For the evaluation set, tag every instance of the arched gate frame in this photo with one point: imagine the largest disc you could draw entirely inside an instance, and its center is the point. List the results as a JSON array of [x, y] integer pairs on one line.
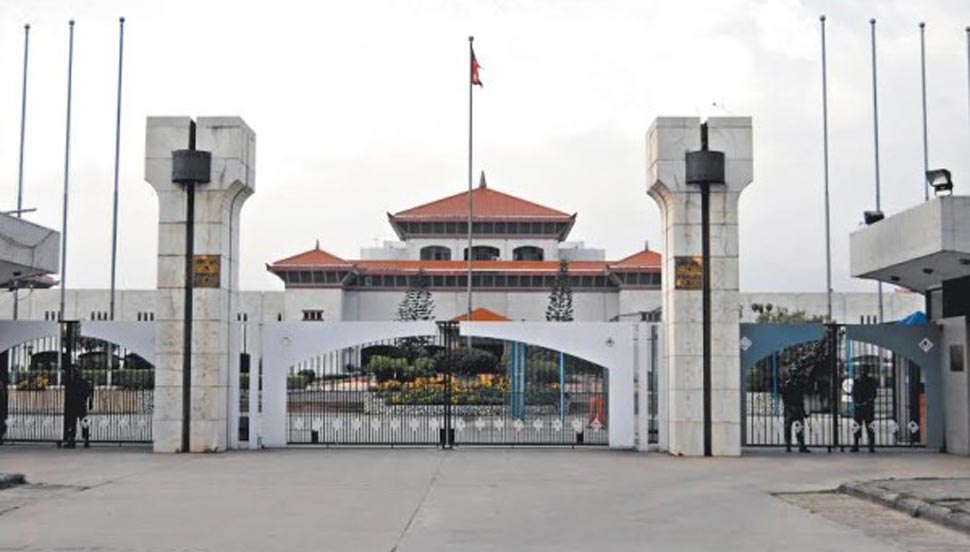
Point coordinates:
[[105, 392], [627, 351], [908, 374]]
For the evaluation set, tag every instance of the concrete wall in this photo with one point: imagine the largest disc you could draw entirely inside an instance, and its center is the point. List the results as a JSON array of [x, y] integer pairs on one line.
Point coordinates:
[[956, 388], [550, 248], [848, 308], [267, 306]]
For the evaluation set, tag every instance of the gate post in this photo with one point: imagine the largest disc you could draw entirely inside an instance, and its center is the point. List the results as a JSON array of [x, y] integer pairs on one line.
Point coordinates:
[[668, 142], [217, 208]]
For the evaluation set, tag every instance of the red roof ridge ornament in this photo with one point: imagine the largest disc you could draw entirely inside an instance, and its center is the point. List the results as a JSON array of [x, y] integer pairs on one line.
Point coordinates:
[[481, 181]]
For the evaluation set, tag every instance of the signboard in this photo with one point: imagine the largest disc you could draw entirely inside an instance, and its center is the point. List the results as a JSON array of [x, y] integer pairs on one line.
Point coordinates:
[[688, 272], [205, 271]]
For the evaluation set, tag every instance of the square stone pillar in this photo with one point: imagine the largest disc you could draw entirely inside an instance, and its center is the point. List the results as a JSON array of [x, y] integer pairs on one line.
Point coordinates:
[[668, 141], [217, 207]]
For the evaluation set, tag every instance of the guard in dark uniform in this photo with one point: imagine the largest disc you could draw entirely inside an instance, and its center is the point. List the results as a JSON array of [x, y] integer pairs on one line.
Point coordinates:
[[864, 390], [793, 391], [3, 407], [77, 396]]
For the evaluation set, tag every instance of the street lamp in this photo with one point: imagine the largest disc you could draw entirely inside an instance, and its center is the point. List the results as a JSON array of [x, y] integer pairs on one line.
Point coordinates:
[[190, 167], [705, 168], [940, 180]]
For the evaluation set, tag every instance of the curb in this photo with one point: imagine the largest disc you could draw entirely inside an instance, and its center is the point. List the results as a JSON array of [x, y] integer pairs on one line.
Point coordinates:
[[908, 504], [11, 480]]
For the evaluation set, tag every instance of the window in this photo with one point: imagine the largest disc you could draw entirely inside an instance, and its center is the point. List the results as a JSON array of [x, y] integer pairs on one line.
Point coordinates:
[[483, 253], [98, 315], [527, 253], [435, 253], [242, 317], [145, 316], [313, 315]]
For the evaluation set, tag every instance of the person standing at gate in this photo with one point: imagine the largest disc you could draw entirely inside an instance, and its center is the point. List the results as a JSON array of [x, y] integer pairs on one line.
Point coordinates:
[[864, 390], [793, 391], [77, 394], [3, 406]]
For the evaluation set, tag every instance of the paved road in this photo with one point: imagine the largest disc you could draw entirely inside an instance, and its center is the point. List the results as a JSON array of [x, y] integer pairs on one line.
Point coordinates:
[[424, 499]]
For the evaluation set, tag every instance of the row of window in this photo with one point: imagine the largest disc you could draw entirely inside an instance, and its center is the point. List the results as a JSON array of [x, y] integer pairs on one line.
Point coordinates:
[[650, 279], [482, 253], [484, 228], [639, 278]]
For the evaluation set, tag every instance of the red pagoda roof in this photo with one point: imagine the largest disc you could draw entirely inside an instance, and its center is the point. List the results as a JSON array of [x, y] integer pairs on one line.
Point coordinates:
[[641, 260], [482, 315], [486, 204], [316, 258]]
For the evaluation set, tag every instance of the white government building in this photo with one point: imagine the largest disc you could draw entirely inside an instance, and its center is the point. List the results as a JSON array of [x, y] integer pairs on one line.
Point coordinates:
[[517, 246]]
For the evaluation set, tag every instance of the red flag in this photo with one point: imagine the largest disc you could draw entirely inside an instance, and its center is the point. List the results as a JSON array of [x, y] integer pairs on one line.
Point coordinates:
[[475, 68]]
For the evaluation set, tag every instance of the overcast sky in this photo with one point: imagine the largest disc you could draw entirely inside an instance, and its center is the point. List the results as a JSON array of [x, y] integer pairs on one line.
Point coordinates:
[[360, 108]]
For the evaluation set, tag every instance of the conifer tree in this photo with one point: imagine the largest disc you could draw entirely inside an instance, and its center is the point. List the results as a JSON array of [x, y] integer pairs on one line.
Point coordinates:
[[417, 303], [560, 307]]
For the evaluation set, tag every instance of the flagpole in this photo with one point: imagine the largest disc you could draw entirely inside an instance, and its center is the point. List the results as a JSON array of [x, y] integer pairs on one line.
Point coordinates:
[[926, 147], [20, 165], [825, 163], [471, 55], [114, 213], [67, 172], [875, 127]]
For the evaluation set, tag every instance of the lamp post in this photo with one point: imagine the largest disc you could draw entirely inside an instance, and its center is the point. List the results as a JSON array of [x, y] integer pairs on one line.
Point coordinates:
[[704, 169], [190, 167]]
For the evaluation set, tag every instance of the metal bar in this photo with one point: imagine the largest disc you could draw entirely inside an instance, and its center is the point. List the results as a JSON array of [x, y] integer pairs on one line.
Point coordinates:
[[187, 323], [926, 147], [825, 169], [471, 57], [875, 130], [114, 211], [23, 119], [67, 171]]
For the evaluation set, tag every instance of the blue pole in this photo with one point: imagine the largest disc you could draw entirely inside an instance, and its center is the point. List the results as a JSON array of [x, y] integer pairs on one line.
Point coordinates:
[[512, 368], [562, 385], [774, 383], [851, 376]]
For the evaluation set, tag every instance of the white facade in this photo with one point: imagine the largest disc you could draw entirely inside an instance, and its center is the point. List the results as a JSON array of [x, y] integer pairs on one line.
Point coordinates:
[[370, 305]]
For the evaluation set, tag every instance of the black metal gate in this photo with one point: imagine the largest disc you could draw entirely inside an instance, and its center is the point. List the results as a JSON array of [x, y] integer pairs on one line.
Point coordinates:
[[445, 391], [97, 392], [833, 387]]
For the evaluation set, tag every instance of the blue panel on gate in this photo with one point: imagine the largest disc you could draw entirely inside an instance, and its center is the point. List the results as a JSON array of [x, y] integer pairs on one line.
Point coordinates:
[[760, 340]]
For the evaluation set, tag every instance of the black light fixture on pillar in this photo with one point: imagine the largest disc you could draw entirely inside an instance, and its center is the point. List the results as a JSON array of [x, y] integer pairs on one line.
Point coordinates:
[[190, 167], [940, 180], [704, 169]]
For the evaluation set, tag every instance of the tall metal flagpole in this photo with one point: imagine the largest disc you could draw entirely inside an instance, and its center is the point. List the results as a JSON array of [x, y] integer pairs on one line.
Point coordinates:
[[67, 172], [926, 147], [114, 219], [471, 55], [20, 165], [825, 170], [968, 69], [875, 129], [23, 118]]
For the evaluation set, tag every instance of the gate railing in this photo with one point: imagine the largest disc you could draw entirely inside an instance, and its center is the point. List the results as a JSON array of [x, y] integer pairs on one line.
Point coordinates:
[[840, 386], [59, 385], [416, 383]]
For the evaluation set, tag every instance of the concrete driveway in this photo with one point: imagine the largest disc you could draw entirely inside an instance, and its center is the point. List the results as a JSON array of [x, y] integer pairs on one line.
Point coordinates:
[[427, 499]]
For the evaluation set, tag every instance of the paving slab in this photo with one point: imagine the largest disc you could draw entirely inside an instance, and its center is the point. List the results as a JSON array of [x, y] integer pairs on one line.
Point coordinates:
[[944, 500], [426, 500]]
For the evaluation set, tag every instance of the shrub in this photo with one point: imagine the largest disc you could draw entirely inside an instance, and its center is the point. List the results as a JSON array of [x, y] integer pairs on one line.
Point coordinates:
[[310, 375], [296, 381], [388, 368]]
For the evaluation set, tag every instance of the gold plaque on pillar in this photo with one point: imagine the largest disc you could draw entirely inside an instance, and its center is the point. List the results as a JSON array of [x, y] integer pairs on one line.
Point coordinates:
[[206, 271], [688, 272]]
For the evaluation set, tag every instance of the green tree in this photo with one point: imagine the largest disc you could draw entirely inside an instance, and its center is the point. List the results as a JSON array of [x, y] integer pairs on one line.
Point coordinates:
[[768, 314], [417, 303], [560, 307]]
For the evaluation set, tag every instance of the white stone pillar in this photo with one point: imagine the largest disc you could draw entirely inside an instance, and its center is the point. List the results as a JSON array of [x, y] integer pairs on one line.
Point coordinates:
[[668, 141], [217, 207]]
